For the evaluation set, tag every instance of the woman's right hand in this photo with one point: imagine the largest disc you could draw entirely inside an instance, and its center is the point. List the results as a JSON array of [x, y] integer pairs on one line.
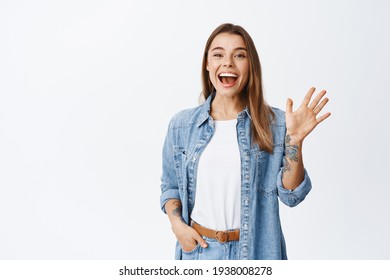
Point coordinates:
[[187, 236]]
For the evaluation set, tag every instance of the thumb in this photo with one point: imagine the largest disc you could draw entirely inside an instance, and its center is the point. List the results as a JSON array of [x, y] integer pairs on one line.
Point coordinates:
[[200, 240], [289, 105]]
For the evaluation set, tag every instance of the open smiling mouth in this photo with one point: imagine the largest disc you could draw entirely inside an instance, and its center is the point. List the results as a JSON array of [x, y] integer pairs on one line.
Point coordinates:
[[228, 79]]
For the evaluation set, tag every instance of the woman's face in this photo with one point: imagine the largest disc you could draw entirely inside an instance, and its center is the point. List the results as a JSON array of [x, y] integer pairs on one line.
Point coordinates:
[[228, 65]]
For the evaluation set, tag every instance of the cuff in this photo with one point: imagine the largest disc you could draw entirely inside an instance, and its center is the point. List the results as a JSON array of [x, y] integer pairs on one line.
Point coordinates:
[[293, 197], [167, 195]]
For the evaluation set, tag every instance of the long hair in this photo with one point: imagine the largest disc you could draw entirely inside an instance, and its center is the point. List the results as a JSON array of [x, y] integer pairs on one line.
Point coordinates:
[[252, 95]]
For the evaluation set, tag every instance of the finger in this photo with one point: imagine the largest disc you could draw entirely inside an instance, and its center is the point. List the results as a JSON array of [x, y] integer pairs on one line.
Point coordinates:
[[308, 96], [317, 99], [320, 106], [200, 240], [289, 105], [323, 117]]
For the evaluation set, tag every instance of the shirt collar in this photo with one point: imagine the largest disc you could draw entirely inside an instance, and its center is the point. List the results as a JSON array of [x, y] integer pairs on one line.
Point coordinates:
[[244, 113], [205, 112]]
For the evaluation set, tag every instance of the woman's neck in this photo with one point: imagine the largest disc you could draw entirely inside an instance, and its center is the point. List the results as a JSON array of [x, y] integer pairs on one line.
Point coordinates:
[[226, 108]]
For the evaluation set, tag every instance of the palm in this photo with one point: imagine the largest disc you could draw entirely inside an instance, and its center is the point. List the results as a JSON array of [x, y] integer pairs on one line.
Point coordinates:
[[301, 122]]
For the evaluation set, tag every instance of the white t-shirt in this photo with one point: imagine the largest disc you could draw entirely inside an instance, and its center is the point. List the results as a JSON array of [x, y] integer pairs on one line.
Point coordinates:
[[218, 188]]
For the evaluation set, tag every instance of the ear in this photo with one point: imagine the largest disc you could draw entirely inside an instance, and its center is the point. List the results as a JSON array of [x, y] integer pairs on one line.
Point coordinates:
[[207, 65]]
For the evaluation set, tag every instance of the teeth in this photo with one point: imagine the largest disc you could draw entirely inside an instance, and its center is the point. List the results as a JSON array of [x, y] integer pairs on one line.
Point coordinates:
[[228, 75]]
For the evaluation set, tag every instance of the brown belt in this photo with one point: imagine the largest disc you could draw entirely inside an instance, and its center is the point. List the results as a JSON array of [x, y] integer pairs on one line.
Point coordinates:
[[221, 236]]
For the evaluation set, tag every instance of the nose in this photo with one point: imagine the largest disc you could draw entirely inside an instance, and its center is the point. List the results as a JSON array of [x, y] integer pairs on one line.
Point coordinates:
[[228, 62]]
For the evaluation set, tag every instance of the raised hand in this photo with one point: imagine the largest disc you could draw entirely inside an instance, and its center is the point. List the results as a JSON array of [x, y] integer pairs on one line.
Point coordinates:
[[301, 122]]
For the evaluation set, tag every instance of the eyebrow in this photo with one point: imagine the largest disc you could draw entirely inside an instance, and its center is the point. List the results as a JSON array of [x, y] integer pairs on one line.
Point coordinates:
[[236, 49]]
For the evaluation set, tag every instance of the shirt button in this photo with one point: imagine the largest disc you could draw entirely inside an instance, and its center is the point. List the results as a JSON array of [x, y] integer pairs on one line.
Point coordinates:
[[245, 226], [246, 201]]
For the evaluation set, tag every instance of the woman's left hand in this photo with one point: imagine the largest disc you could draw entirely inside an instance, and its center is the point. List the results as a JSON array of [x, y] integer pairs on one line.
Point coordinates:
[[301, 122]]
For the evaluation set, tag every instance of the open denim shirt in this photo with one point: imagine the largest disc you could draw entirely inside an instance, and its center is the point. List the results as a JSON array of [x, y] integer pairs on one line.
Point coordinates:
[[261, 235]]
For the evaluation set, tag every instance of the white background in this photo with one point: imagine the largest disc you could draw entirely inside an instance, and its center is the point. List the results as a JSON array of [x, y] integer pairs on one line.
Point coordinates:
[[87, 89]]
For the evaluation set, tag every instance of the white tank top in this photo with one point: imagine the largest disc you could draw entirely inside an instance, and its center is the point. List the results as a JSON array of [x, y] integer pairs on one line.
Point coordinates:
[[218, 187]]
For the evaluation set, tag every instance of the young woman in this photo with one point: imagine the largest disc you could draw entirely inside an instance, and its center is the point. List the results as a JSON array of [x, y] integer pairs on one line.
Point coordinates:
[[226, 162]]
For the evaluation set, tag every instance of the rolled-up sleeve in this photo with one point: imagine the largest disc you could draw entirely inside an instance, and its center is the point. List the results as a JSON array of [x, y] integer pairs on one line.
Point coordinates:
[[293, 197], [169, 186]]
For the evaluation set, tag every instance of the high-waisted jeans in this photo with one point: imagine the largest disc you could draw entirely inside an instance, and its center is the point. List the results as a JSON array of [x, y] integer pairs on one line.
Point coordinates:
[[214, 251]]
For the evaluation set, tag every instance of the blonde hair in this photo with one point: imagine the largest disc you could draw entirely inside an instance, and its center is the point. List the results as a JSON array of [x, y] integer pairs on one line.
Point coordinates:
[[252, 95]]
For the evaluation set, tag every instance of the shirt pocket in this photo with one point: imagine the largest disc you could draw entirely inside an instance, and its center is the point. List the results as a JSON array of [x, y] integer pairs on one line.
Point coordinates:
[[267, 169]]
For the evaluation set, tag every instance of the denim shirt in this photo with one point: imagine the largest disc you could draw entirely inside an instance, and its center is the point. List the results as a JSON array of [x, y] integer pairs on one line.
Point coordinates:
[[189, 132]]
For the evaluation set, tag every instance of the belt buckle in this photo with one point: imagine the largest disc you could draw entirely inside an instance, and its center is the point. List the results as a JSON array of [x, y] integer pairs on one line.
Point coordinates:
[[222, 236]]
